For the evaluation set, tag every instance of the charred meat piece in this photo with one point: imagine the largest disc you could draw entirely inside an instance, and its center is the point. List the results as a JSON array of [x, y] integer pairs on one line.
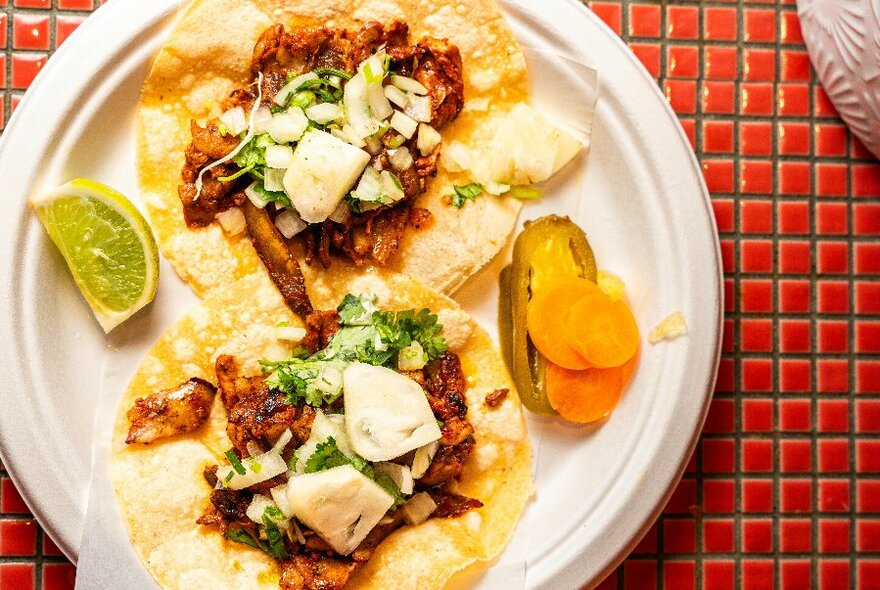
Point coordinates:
[[494, 399], [316, 571], [446, 386], [451, 505], [276, 256], [233, 386], [447, 463], [439, 70], [320, 328], [264, 416], [170, 412]]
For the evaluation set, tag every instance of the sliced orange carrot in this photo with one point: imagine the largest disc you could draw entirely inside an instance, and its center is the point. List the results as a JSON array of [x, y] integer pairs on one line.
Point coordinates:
[[588, 395], [547, 315], [602, 331]]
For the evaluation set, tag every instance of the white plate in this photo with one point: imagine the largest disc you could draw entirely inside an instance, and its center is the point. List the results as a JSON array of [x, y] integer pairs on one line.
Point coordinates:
[[642, 201]]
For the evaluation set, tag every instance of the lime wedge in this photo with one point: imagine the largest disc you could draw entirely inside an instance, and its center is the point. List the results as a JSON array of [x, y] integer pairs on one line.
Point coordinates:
[[107, 244]]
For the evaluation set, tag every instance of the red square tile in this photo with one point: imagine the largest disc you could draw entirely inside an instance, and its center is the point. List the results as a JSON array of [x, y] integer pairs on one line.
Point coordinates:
[[833, 376], [756, 217], [679, 574], [832, 219], [720, 418], [757, 574], [718, 456], [682, 22], [755, 138], [718, 175], [867, 258], [30, 31], [796, 456], [794, 139], [867, 573], [831, 180], [76, 4], [682, 61], [867, 337], [833, 336], [757, 456], [757, 495], [833, 415], [756, 177], [729, 299], [868, 535], [759, 65], [833, 257], [682, 95], [649, 55], [833, 455], [690, 129], [49, 547], [718, 496], [868, 416], [833, 297], [757, 415], [58, 576], [757, 536], [719, 97], [717, 536], [756, 295], [756, 256], [648, 543], [866, 180], [719, 24], [867, 376], [868, 456], [25, 67], [794, 99], [794, 574], [794, 257], [759, 26], [723, 214], [720, 63], [795, 66], [3, 20], [868, 298], [757, 335], [724, 382], [823, 106], [718, 136], [794, 415], [727, 259], [640, 573], [790, 29], [866, 219], [19, 576], [679, 535], [718, 575], [858, 151], [64, 26], [610, 13], [18, 538], [834, 495], [833, 574], [794, 336], [794, 296], [683, 498], [834, 536], [796, 495], [868, 494], [727, 336], [756, 98], [794, 217], [757, 375], [795, 535], [831, 140], [644, 20], [10, 500], [794, 376], [794, 178], [32, 3]]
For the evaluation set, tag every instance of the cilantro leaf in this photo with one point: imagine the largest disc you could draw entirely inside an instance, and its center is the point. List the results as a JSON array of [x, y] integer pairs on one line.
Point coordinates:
[[399, 329], [465, 193], [356, 311], [387, 484], [326, 456], [316, 380], [267, 195], [241, 536], [276, 547]]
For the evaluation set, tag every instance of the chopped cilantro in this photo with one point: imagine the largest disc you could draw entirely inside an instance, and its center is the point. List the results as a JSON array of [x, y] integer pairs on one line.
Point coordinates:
[[267, 195], [465, 193], [235, 462], [240, 536], [312, 379], [276, 540], [356, 311], [326, 456], [387, 484]]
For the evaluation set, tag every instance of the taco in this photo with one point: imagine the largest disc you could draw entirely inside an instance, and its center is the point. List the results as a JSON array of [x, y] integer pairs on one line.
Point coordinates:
[[384, 452], [350, 126]]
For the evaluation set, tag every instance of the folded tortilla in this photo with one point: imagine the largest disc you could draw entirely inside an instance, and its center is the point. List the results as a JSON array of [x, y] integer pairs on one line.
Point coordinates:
[[208, 54], [161, 491]]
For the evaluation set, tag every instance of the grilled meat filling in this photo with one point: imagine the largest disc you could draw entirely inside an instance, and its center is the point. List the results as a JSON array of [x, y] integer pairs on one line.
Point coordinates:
[[170, 412]]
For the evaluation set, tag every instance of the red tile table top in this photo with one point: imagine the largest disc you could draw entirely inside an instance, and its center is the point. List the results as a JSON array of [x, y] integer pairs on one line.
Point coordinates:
[[783, 489]]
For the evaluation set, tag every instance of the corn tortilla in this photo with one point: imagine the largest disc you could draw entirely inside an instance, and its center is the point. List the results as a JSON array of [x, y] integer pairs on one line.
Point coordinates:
[[208, 54], [161, 491]]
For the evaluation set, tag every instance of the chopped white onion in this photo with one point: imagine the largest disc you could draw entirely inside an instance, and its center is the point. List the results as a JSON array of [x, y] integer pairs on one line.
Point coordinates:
[[274, 179], [422, 459], [235, 121], [258, 506], [418, 508], [257, 469], [278, 156], [340, 134], [288, 126], [289, 223], [341, 213], [261, 121], [379, 105], [419, 108], [353, 138], [323, 113], [403, 124], [428, 140], [282, 441], [373, 68], [408, 84], [357, 109], [279, 495], [291, 333], [253, 449], [401, 159], [477, 104], [372, 145], [294, 532], [282, 96], [399, 474], [232, 221], [329, 381], [412, 357], [395, 95], [255, 197], [390, 186]]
